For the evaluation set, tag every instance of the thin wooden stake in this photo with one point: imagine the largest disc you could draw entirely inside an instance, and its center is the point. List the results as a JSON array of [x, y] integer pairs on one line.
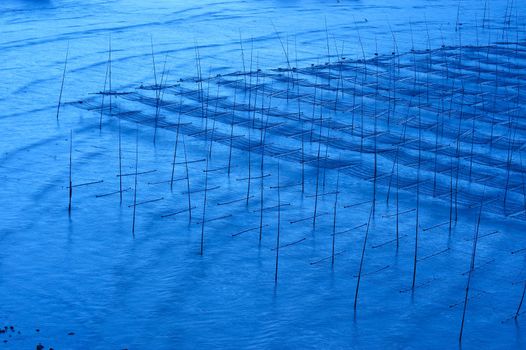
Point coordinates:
[[204, 200], [362, 259], [471, 268], [135, 187], [520, 303], [70, 166], [176, 143], [63, 78], [232, 129], [187, 182], [334, 218], [279, 224], [120, 163]]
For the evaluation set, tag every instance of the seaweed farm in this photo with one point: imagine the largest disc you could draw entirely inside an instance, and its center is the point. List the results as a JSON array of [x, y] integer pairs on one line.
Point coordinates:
[[350, 182]]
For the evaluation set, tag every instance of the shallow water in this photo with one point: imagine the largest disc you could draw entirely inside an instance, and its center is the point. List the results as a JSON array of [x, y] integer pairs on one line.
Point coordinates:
[[85, 273]]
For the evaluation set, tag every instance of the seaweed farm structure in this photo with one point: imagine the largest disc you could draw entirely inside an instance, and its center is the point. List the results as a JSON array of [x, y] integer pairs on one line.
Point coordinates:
[[366, 194]]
